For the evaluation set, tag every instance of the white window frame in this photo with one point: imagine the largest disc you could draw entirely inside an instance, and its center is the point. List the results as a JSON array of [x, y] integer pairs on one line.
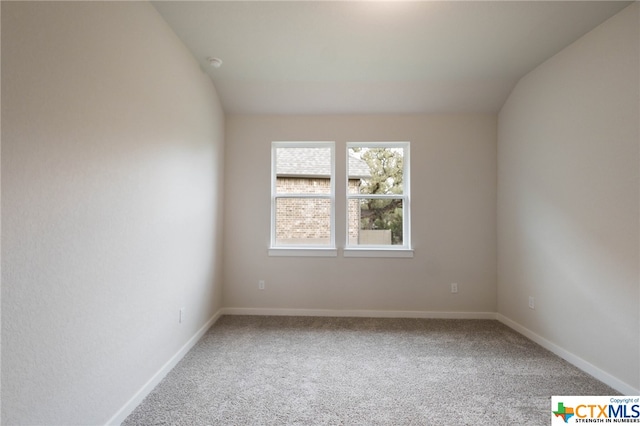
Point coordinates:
[[404, 250], [329, 250]]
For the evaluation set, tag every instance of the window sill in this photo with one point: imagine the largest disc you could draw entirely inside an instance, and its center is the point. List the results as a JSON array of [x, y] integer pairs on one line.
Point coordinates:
[[377, 252], [333, 252], [303, 252]]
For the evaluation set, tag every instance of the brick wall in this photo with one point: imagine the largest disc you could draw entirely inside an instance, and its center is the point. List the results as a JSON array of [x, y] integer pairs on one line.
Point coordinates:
[[308, 221]]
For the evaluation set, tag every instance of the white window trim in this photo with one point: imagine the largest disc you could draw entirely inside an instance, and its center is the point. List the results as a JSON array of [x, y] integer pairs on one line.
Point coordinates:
[[404, 250], [303, 250]]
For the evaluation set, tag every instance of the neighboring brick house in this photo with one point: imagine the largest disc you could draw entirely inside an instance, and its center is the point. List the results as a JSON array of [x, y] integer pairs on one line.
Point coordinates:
[[303, 171]]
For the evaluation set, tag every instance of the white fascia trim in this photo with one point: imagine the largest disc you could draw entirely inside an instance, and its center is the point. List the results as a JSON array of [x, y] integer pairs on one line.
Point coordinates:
[[303, 252], [603, 376], [377, 252], [146, 389], [358, 313]]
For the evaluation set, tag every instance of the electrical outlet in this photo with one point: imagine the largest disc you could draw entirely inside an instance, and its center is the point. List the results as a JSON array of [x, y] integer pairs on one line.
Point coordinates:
[[454, 287], [261, 285], [532, 304], [181, 318]]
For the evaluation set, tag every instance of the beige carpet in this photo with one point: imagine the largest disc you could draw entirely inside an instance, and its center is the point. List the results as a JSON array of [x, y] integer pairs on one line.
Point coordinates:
[[359, 371]]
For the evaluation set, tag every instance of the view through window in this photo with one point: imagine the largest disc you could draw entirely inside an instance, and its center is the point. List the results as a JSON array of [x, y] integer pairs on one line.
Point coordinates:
[[303, 195], [378, 205]]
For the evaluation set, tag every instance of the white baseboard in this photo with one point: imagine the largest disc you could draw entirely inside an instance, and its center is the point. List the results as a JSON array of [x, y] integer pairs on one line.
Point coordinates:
[[583, 365], [358, 313], [136, 399]]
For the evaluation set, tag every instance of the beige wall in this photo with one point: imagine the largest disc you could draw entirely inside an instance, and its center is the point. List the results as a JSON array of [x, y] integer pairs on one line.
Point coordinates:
[[453, 177], [568, 199], [112, 149]]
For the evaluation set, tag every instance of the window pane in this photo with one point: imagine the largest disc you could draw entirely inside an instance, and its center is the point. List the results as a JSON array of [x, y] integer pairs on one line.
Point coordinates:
[[379, 169], [303, 221], [303, 170], [375, 221]]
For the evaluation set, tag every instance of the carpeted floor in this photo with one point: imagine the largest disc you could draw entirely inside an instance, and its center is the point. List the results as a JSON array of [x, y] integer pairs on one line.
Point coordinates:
[[360, 371]]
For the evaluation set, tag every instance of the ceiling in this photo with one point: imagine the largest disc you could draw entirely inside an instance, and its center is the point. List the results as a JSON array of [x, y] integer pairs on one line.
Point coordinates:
[[369, 57]]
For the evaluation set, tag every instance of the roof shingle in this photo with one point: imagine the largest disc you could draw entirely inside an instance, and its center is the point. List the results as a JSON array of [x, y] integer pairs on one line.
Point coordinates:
[[314, 162]]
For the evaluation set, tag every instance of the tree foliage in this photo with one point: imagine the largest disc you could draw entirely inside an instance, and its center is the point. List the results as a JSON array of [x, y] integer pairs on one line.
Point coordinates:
[[386, 166]]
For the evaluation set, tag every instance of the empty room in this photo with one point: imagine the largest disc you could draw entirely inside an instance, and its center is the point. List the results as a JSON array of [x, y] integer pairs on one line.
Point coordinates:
[[320, 212]]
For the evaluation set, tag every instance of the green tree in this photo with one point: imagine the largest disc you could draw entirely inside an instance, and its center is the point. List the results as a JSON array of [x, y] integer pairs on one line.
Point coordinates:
[[386, 166]]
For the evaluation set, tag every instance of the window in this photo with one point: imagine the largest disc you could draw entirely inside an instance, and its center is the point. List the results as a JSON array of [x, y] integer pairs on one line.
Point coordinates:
[[303, 207], [302, 197], [378, 195]]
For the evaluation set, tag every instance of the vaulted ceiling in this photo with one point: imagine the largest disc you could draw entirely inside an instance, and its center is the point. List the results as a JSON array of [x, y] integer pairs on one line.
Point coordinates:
[[367, 57]]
